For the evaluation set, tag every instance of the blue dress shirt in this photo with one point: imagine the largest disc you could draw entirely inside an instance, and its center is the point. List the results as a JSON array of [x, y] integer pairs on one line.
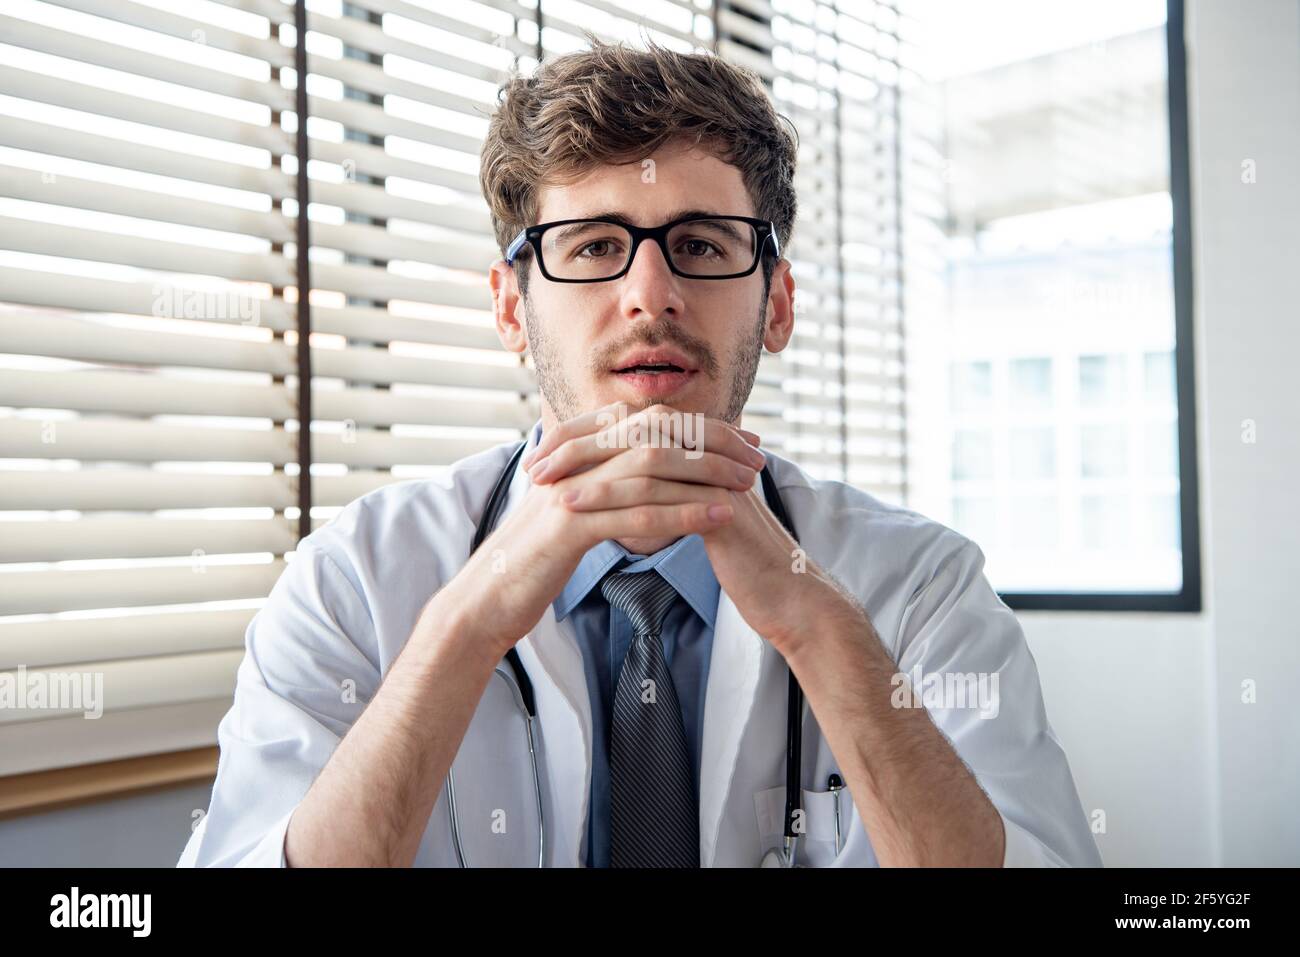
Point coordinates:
[[604, 635]]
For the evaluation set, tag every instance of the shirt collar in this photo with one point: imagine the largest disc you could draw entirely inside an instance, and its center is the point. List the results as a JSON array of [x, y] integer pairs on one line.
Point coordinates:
[[684, 564]]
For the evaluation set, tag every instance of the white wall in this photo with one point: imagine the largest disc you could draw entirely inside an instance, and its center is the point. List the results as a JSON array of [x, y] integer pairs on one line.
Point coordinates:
[[143, 830], [1149, 707], [1247, 100], [1127, 695]]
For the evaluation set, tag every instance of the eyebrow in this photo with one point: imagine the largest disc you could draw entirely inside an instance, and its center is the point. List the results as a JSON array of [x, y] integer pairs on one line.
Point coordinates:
[[621, 217]]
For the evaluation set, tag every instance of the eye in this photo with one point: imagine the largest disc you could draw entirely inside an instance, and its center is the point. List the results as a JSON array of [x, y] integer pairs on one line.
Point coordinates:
[[596, 249], [698, 247]]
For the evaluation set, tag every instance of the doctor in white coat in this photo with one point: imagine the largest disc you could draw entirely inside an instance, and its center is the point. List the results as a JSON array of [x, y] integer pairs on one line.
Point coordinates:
[[371, 672]]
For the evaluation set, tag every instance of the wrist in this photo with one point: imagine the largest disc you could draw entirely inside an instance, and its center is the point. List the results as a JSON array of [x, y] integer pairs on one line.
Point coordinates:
[[822, 614], [448, 627]]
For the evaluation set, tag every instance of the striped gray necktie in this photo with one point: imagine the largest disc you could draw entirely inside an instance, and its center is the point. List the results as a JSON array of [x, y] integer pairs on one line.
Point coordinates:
[[654, 814]]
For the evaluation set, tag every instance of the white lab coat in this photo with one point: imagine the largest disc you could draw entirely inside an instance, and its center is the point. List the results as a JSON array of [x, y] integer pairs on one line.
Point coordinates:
[[344, 607]]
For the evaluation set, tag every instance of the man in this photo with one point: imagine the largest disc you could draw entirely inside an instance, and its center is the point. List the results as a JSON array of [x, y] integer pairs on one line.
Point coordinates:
[[658, 604]]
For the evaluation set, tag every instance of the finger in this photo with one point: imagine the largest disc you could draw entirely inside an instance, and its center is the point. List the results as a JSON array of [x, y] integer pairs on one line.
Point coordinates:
[[654, 521], [583, 424], [589, 450], [596, 496], [563, 431], [680, 465], [575, 456], [661, 423], [590, 422]]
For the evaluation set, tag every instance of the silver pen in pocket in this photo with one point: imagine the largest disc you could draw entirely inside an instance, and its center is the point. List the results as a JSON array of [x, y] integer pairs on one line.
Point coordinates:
[[835, 785]]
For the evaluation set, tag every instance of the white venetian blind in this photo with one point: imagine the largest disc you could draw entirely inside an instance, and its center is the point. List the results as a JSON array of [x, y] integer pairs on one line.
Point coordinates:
[[148, 457], [148, 292], [834, 69], [409, 376]]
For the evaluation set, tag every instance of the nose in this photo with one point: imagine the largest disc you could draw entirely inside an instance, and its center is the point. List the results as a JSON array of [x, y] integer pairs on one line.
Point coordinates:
[[649, 289]]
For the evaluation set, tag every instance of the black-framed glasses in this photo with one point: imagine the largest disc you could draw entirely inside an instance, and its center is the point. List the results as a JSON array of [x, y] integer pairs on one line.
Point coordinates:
[[695, 247]]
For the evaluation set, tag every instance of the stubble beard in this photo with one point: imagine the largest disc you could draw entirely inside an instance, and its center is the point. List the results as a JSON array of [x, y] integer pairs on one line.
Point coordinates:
[[566, 404]]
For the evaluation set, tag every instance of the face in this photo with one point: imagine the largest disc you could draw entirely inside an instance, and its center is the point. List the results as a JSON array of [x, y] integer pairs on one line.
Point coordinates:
[[581, 335]]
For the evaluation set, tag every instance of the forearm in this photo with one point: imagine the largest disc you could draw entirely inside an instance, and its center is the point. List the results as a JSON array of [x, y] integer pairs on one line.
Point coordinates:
[[920, 804], [371, 803]]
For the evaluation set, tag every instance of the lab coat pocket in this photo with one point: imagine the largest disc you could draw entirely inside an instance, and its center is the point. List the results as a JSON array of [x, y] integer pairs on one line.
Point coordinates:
[[817, 844]]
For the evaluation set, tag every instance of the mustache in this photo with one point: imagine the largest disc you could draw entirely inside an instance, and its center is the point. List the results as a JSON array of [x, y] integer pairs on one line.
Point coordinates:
[[696, 349]]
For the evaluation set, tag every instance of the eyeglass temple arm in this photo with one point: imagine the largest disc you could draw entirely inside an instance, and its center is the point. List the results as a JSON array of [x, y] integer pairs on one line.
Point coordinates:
[[516, 246]]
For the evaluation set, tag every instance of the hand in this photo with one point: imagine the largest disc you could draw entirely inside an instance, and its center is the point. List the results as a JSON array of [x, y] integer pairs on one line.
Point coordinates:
[[658, 433], [617, 491], [777, 589]]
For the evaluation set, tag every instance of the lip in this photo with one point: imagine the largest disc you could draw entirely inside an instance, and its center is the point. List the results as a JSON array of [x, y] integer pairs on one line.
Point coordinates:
[[655, 385], [654, 357]]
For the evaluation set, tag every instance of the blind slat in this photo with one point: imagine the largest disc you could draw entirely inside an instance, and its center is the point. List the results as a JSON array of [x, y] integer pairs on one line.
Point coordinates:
[[64, 742], [56, 541], [114, 489], [134, 14], [52, 239], [87, 391], [127, 440], [29, 287], [122, 154], [26, 184], [61, 641], [69, 94], [80, 339], [30, 593], [97, 52], [121, 489]]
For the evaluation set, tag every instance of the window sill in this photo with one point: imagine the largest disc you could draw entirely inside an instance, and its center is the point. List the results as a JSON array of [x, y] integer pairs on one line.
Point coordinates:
[[41, 791]]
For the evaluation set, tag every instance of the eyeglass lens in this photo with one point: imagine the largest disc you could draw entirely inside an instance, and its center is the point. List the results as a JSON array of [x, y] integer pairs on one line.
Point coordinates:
[[701, 247]]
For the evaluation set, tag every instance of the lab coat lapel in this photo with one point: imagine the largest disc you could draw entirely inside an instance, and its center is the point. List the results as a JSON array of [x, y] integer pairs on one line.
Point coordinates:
[[551, 655], [735, 666], [553, 660]]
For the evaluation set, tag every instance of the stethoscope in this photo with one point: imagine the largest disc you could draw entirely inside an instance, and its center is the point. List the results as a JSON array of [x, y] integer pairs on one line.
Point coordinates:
[[522, 690]]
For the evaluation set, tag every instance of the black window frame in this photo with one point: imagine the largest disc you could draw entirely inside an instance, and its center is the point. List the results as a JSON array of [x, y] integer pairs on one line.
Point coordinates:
[[1189, 597]]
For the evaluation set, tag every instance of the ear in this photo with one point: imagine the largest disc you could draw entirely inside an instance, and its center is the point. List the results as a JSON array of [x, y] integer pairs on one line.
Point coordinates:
[[507, 307], [780, 308]]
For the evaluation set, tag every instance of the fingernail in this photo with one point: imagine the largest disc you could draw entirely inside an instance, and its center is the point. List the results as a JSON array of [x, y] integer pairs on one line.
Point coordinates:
[[745, 474], [570, 496], [719, 513], [539, 468], [758, 458]]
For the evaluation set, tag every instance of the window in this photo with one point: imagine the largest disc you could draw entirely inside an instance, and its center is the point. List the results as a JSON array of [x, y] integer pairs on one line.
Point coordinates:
[[1049, 294]]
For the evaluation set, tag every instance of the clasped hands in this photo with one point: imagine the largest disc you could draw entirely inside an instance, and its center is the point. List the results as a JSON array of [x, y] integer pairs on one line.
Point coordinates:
[[648, 459]]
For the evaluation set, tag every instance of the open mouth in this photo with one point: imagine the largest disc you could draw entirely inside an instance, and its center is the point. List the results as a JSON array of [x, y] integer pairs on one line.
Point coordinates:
[[657, 368], [655, 380]]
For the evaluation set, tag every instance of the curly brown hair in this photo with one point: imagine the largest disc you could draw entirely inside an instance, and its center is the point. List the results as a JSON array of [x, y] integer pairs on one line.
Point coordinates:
[[611, 104]]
